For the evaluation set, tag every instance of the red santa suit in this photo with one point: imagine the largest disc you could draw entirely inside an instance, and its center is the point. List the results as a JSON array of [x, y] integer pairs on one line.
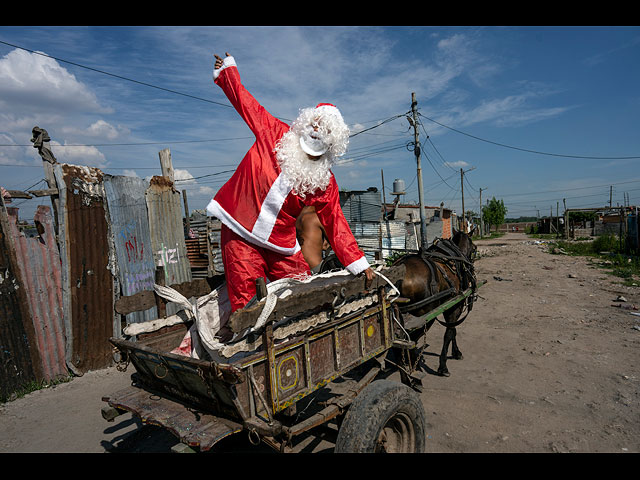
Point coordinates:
[[259, 210]]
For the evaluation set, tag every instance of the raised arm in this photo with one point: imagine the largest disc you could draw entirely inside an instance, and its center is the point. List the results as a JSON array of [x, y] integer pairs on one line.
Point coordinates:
[[261, 122]]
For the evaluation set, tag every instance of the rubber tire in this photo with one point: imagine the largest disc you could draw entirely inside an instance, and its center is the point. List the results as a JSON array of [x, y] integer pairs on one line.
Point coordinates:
[[373, 409]]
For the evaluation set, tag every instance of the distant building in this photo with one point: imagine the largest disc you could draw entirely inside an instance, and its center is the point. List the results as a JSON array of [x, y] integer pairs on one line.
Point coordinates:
[[439, 220]]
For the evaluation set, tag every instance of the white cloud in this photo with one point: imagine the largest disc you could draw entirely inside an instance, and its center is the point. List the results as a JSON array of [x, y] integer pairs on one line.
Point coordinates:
[[99, 129], [79, 155], [457, 164], [103, 129], [31, 82], [184, 176]]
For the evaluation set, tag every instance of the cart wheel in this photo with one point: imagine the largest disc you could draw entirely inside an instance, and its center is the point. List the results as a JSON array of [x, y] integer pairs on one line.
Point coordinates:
[[386, 417]]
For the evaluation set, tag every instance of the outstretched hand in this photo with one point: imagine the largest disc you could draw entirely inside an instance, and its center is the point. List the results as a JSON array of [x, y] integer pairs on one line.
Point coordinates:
[[219, 60]]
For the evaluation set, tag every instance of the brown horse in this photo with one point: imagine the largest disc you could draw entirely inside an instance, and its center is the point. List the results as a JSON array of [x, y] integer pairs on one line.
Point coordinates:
[[434, 276]]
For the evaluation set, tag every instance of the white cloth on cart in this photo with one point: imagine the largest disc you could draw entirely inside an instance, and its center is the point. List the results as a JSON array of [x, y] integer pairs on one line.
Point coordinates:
[[212, 312]]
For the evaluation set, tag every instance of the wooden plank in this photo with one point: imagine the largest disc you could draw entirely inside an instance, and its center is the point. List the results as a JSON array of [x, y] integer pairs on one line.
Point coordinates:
[[147, 299], [195, 429], [314, 300], [18, 194], [134, 303], [44, 193]]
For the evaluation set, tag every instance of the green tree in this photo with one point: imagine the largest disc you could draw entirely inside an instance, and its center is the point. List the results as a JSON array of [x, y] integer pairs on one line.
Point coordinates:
[[494, 213]]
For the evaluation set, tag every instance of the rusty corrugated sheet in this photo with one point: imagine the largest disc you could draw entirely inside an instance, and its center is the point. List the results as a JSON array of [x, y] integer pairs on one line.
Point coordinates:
[[135, 267], [167, 230], [18, 356], [39, 262], [87, 281]]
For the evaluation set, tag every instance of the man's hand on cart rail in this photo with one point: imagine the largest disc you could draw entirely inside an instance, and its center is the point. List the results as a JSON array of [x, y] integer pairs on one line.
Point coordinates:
[[370, 276]]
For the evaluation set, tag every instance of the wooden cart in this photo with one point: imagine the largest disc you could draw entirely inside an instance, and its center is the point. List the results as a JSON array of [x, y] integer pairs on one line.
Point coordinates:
[[345, 361]]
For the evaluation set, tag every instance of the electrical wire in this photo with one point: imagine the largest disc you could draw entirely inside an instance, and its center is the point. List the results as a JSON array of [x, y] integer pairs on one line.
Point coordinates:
[[203, 176], [116, 76], [527, 150]]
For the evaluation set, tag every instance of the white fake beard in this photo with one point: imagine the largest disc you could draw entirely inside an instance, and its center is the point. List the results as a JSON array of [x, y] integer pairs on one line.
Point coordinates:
[[305, 175]]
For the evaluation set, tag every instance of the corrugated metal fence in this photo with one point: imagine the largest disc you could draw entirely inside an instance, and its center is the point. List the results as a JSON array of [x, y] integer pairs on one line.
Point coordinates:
[[57, 297], [131, 239], [39, 264], [19, 355]]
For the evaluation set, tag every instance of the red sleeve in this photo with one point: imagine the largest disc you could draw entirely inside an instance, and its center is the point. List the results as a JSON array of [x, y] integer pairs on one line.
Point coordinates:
[[337, 228], [262, 123]]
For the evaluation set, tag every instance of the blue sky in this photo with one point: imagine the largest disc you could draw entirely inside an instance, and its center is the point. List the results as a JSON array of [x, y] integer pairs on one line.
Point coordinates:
[[533, 115]]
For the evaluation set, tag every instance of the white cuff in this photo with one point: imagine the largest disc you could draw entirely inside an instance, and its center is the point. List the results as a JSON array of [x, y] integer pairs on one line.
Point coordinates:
[[227, 62], [358, 266]]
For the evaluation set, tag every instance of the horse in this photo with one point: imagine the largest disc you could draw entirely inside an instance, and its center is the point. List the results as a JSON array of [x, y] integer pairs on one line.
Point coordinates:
[[435, 275]]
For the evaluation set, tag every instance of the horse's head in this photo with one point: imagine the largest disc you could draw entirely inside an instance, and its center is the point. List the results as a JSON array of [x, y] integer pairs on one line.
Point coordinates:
[[465, 244]]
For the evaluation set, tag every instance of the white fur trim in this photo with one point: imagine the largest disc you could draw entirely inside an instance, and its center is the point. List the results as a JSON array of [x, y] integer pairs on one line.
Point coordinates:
[[226, 63], [358, 266], [270, 208], [214, 209], [328, 109]]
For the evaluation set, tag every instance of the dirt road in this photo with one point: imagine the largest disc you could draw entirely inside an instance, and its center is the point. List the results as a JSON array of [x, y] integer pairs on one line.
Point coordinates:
[[550, 365]]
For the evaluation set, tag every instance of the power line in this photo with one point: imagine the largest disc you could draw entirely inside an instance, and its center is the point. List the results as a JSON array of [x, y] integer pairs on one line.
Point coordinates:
[[118, 76], [161, 88], [129, 144], [529, 151], [203, 176], [379, 124], [568, 189]]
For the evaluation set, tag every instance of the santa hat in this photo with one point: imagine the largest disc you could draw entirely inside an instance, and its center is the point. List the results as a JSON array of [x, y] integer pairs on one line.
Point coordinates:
[[328, 108]]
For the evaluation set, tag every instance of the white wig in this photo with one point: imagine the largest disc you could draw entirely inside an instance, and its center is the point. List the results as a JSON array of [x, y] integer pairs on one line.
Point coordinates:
[[331, 137]]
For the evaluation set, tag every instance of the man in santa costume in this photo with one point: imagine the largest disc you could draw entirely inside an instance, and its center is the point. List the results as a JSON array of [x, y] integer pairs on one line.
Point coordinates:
[[286, 169]]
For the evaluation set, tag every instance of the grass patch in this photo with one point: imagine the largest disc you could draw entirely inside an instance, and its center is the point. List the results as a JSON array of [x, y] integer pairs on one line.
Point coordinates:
[[32, 387], [607, 252], [488, 236], [544, 236]]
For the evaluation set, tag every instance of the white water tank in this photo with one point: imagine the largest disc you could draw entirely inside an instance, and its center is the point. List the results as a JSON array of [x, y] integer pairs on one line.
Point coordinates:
[[398, 187]]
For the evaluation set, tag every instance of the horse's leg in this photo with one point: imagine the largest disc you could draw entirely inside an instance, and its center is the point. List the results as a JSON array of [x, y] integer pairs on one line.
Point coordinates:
[[450, 316], [456, 354], [449, 334]]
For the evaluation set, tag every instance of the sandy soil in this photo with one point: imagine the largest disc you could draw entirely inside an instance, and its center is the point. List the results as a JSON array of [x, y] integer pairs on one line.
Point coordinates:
[[550, 365]]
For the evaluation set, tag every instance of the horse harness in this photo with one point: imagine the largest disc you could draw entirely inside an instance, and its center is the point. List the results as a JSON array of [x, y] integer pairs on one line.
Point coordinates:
[[447, 252]]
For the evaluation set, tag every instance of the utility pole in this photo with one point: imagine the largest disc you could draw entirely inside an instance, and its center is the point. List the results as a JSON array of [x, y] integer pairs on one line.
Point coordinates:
[[462, 172], [416, 149], [610, 195], [385, 215], [462, 226], [481, 221], [566, 219]]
